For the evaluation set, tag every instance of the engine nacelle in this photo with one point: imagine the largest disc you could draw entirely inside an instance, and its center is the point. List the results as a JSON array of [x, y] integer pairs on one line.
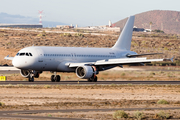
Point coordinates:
[[85, 72], [25, 73]]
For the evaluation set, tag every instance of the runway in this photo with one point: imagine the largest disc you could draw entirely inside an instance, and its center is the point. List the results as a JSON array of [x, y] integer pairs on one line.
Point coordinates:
[[88, 83], [9, 72], [13, 114]]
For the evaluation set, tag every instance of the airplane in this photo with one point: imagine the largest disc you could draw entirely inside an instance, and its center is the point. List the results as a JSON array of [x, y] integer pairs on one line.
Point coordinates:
[[85, 62]]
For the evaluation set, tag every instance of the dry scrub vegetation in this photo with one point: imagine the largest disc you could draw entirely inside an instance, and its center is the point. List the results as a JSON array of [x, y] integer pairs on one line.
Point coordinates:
[[43, 97]]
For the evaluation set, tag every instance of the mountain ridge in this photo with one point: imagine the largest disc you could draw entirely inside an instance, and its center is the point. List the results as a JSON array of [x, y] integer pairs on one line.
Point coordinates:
[[166, 20]]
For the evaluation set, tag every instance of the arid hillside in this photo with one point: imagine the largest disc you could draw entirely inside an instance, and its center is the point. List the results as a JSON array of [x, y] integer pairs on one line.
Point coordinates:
[[168, 21], [11, 41]]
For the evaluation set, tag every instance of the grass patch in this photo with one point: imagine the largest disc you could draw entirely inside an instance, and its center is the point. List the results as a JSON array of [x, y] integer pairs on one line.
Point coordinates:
[[113, 85], [47, 86], [120, 114], [138, 115], [152, 73], [162, 101], [162, 115], [105, 73], [2, 104], [20, 85], [123, 74]]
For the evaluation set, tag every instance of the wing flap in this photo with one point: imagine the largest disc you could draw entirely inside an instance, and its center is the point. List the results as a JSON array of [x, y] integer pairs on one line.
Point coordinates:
[[126, 61]]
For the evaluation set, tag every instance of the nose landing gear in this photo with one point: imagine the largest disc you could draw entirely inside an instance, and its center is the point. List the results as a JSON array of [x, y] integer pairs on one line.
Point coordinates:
[[31, 76]]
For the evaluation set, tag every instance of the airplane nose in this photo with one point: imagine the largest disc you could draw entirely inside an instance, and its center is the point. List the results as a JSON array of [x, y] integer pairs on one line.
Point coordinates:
[[23, 63], [16, 63]]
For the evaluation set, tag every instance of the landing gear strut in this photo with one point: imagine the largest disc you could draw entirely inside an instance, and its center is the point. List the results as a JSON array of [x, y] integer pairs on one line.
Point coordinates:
[[31, 77], [55, 78], [93, 79]]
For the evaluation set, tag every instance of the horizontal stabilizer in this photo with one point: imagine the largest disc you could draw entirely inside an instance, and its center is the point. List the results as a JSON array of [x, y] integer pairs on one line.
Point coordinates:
[[169, 59], [137, 55], [9, 58]]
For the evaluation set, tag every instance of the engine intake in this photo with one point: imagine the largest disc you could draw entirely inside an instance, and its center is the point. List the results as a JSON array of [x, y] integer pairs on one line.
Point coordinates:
[[25, 73], [84, 72]]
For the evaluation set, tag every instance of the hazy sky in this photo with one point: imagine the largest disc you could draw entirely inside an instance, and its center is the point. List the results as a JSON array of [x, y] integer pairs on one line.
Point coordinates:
[[85, 12]]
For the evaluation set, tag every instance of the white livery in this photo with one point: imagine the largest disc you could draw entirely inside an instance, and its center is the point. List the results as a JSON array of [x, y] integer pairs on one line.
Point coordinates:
[[85, 62]]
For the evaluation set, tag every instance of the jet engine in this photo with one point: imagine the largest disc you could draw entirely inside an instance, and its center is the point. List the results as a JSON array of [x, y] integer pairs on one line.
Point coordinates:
[[25, 73], [85, 72]]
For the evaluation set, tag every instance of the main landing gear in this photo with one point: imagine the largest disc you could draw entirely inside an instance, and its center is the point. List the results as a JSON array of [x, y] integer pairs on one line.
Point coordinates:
[[93, 79], [55, 78]]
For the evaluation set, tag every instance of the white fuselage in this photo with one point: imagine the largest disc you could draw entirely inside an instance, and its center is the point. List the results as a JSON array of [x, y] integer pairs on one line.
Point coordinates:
[[57, 58]]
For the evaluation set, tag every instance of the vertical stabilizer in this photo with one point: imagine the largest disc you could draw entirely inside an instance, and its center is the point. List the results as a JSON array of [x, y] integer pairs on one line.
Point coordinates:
[[124, 40]]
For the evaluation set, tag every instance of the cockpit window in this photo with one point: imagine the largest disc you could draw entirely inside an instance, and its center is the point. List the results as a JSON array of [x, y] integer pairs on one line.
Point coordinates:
[[21, 54], [17, 54], [30, 54]]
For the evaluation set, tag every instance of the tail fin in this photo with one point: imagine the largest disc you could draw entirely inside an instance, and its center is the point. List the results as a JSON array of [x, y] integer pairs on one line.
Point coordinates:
[[124, 40]]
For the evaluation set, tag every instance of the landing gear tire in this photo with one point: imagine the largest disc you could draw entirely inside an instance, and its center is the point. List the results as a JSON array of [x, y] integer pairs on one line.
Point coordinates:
[[31, 78], [56, 78], [90, 80], [36, 75], [93, 79], [52, 78]]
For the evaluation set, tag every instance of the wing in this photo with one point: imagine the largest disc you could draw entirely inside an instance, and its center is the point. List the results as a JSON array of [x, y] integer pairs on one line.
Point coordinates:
[[121, 61], [8, 58]]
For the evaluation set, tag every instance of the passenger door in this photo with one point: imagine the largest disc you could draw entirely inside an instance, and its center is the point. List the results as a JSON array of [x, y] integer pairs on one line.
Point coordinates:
[[40, 55]]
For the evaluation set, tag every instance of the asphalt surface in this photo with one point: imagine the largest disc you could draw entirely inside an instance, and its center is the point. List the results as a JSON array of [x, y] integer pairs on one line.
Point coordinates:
[[13, 114], [9, 71], [86, 82]]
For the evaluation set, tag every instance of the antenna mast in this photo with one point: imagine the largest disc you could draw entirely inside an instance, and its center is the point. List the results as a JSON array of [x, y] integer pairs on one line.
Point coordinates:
[[40, 17]]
